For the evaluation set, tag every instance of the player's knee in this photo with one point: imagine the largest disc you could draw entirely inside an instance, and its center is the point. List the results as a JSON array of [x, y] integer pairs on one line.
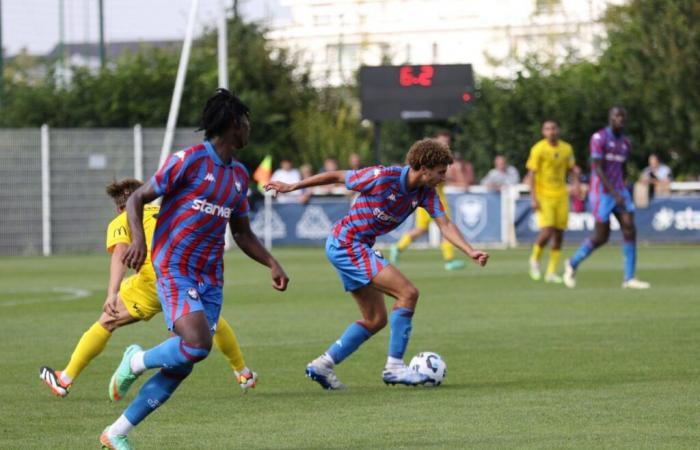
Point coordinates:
[[193, 352], [109, 323], [410, 296]]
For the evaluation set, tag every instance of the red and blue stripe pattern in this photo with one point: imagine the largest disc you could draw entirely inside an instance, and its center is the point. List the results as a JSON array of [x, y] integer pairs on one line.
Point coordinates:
[[200, 194], [612, 153], [384, 203]]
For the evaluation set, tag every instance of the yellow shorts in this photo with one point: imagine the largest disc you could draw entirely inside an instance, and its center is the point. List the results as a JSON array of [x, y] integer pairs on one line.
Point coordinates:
[[553, 212], [140, 297], [423, 218]]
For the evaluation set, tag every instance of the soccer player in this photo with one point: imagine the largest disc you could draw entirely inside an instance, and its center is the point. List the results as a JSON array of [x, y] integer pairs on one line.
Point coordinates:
[[388, 195], [548, 164], [132, 300], [610, 149], [423, 222], [203, 188]]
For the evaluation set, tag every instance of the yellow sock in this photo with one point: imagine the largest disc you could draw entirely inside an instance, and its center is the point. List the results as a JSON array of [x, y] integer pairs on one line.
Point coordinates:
[[90, 345], [553, 261], [226, 341], [404, 242], [448, 251], [536, 252]]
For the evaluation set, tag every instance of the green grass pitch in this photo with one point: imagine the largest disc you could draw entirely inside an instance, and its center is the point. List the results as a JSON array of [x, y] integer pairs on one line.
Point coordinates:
[[529, 365]]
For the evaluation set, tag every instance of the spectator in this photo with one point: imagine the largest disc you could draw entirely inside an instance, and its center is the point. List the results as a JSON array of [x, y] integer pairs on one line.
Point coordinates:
[[354, 161], [501, 175], [460, 174], [287, 174], [657, 176], [306, 171], [330, 165]]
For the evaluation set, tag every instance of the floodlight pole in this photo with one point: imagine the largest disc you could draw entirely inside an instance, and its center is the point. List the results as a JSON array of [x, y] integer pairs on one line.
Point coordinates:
[[222, 48], [179, 84], [101, 12]]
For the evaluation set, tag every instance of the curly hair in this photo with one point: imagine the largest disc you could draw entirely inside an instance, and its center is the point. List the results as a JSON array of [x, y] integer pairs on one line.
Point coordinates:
[[428, 153], [120, 191], [221, 109]]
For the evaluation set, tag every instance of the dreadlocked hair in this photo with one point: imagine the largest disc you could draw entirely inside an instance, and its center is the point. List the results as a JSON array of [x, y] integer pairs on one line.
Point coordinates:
[[220, 110], [120, 191], [428, 153]]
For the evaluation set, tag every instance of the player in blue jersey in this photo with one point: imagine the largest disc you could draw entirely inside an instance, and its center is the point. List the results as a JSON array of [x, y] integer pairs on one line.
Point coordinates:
[[203, 189], [388, 195], [610, 150]]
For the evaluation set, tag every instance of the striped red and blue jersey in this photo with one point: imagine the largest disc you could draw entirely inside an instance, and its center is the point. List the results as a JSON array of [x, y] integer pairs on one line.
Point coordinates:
[[612, 153], [384, 203], [200, 194]]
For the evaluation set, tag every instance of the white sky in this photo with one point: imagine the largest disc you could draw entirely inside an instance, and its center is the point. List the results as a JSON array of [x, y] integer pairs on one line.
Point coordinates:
[[34, 24]]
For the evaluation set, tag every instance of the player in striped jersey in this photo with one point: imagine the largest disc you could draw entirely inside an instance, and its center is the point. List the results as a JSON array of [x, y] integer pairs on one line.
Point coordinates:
[[203, 188], [388, 195], [610, 150]]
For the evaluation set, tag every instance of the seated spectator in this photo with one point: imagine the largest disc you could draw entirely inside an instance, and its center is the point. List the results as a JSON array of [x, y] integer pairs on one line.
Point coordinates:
[[287, 174], [501, 175], [657, 176], [460, 174], [306, 171], [354, 161]]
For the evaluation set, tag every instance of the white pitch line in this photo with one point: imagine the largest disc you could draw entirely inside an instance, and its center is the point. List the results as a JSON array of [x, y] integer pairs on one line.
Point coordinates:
[[65, 294]]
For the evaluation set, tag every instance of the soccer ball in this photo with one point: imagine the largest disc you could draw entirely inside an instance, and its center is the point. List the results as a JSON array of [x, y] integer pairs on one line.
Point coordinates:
[[430, 364]]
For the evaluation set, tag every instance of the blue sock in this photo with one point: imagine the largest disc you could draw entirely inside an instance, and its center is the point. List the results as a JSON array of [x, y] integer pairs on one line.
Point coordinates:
[[350, 341], [173, 352], [629, 251], [155, 392], [582, 253], [401, 326]]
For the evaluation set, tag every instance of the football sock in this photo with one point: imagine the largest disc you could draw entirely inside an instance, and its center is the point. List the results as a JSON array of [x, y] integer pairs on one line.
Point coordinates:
[[394, 363], [553, 261], [90, 345], [350, 341], [173, 352], [400, 321], [121, 426], [156, 391], [448, 250], [629, 252], [582, 253], [536, 253], [404, 242], [137, 365], [226, 341]]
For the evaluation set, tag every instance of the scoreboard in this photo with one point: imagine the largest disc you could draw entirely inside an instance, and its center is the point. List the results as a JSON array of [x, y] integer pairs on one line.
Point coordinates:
[[423, 92]]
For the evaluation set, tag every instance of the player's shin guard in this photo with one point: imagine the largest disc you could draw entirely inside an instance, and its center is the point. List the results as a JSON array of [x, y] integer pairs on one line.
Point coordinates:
[[582, 253], [553, 261], [354, 336], [156, 391], [401, 325], [629, 252], [173, 353], [448, 250], [226, 341], [91, 344], [404, 242]]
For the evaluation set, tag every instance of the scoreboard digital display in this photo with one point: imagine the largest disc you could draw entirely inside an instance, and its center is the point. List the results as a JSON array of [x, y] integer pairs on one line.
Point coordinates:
[[423, 92]]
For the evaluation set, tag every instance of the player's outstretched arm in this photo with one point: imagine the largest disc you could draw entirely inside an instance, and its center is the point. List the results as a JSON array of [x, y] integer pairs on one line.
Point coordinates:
[[251, 246], [450, 232], [135, 255], [321, 179]]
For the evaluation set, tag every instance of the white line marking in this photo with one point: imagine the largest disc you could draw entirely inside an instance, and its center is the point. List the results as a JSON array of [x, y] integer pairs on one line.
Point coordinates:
[[60, 294]]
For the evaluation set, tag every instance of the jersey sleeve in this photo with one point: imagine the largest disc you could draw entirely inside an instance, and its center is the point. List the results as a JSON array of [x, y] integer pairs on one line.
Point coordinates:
[[431, 203], [170, 174], [364, 180], [118, 233], [597, 145], [533, 161]]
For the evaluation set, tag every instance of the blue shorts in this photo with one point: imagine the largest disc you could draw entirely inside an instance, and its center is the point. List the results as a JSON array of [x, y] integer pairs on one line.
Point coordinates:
[[181, 296], [357, 264], [603, 204]]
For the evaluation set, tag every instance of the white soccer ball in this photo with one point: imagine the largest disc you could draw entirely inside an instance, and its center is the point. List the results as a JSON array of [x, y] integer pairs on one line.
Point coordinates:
[[430, 364]]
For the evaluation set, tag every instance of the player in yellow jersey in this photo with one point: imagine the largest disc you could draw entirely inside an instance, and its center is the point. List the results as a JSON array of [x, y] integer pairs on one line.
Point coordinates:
[[131, 300], [423, 222], [549, 162]]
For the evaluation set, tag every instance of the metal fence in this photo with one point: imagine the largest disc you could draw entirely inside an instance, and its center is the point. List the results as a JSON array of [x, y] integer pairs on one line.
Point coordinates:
[[57, 204]]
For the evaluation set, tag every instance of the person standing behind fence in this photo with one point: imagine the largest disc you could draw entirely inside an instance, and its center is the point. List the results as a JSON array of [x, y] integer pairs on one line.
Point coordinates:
[[287, 173], [549, 161], [501, 175], [610, 150]]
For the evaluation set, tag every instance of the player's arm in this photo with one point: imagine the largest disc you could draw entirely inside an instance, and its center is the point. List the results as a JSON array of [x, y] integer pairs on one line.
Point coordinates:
[[135, 255], [251, 246], [598, 168], [117, 271], [450, 232], [531, 174], [321, 179]]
